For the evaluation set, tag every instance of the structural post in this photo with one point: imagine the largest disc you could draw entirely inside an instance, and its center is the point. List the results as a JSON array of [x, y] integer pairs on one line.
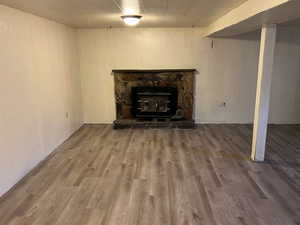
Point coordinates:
[[263, 91]]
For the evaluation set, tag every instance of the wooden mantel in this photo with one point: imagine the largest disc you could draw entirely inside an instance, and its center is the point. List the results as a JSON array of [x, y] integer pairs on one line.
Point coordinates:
[[153, 70]]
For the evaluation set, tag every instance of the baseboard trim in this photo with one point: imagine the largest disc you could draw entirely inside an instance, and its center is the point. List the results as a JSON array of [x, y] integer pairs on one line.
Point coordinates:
[[206, 123]]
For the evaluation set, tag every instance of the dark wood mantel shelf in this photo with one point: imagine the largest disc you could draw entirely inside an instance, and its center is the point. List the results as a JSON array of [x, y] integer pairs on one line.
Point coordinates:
[[154, 71]]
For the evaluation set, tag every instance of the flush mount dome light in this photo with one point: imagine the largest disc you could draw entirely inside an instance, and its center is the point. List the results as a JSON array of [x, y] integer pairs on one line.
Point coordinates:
[[131, 20]]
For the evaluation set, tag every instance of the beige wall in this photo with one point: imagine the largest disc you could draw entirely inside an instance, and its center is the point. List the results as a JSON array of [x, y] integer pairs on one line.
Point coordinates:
[[227, 72], [103, 50], [285, 95], [39, 84]]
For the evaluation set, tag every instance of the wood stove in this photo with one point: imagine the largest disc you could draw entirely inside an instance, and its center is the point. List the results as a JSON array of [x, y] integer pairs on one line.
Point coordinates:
[[154, 102]]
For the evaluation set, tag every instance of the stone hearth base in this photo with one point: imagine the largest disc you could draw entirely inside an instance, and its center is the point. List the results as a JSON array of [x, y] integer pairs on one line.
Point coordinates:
[[134, 123]]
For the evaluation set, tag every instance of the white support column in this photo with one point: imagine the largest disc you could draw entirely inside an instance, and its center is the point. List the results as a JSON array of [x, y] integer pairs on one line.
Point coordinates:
[[263, 91]]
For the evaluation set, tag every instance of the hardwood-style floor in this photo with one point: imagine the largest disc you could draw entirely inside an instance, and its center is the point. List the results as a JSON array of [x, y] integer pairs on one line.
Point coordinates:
[[102, 176]]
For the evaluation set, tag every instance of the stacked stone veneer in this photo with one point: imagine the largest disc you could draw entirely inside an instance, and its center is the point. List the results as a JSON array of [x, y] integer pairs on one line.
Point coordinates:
[[125, 80]]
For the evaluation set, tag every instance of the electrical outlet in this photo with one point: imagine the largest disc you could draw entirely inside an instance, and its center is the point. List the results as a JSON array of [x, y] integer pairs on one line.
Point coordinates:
[[67, 114]]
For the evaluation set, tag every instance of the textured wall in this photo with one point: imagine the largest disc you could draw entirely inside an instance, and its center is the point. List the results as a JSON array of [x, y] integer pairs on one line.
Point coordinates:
[[227, 72], [39, 86]]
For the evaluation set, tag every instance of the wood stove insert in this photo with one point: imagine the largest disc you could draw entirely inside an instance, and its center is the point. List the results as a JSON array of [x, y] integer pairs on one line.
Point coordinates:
[[154, 102]]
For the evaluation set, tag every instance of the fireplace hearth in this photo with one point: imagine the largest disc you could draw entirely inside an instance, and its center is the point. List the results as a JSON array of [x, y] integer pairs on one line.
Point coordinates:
[[154, 98]]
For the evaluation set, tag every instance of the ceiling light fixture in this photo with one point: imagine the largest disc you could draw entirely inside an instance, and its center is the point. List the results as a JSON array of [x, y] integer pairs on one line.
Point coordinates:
[[131, 20]]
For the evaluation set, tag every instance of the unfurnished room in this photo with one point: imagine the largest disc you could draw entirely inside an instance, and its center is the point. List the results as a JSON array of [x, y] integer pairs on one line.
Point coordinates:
[[150, 112]]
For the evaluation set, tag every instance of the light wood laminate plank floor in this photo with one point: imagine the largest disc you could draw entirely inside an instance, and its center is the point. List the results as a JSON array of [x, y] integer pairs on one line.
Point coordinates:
[[102, 176]]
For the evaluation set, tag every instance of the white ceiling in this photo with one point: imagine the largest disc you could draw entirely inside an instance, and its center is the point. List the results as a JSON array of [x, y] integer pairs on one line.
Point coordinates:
[[106, 13]]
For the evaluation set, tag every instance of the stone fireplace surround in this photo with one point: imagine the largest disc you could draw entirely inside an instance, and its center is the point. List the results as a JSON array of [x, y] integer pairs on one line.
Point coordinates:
[[125, 80]]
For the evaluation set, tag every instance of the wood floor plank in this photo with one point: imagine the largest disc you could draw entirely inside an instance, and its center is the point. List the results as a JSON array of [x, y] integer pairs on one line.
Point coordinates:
[[102, 176]]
